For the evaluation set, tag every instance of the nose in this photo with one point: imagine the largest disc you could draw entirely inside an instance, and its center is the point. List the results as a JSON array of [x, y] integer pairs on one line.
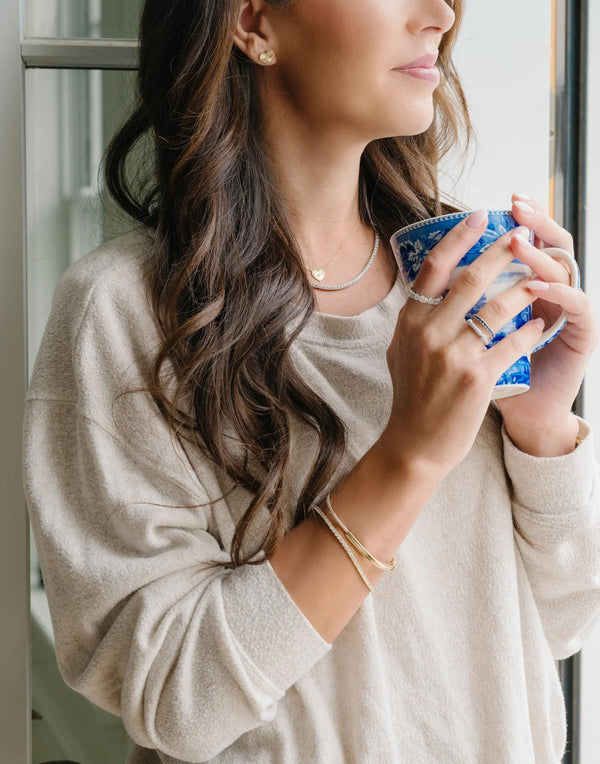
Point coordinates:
[[433, 16]]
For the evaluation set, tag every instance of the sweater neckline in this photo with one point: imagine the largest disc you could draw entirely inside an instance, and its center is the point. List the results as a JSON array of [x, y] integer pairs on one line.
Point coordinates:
[[373, 323]]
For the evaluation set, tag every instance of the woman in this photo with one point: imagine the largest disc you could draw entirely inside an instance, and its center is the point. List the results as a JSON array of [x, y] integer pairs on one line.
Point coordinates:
[[222, 392]]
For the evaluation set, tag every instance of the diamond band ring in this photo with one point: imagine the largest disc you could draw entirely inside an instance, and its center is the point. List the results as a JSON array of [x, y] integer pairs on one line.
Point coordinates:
[[412, 295]]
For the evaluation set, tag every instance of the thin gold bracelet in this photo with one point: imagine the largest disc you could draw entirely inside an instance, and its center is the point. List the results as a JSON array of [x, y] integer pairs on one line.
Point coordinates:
[[347, 549], [357, 544]]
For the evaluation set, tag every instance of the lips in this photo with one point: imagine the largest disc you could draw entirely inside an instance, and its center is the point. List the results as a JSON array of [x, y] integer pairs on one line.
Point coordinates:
[[423, 68], [425, 62]]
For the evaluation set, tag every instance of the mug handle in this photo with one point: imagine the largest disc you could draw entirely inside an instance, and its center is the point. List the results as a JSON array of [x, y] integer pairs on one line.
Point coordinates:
[[552, 331]]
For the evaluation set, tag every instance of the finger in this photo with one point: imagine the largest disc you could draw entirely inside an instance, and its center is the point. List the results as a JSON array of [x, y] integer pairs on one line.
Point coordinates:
[[546, 267], [530, 213], [499, 311], [515, 345], [475, 279], [581, 332], [435, 270], [574, 302]]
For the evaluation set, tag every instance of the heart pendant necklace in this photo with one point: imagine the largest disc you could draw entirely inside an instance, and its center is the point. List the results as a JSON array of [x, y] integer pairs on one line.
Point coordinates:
[[319, 274], [369, 263]]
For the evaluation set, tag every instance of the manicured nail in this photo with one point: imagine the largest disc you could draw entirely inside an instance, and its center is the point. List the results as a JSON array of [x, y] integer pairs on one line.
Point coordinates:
[[523, 197], [477, 219], [526, 209], [538, 286], [521, 237]]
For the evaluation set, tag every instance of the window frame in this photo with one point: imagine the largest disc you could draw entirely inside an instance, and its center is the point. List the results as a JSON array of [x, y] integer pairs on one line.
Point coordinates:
[[570, 159], [16, 55], [15, 713]]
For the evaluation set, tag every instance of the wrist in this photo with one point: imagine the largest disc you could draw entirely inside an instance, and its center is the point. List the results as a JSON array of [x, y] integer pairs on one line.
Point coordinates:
[[400, 462], [382, 497], [547, 438]]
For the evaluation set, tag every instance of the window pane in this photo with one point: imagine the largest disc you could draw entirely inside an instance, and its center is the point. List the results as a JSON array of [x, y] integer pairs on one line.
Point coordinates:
[[82, 18], [70, 117]]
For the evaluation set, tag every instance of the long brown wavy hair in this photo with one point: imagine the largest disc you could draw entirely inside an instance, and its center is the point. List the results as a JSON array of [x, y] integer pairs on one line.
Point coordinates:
[[227, 278]]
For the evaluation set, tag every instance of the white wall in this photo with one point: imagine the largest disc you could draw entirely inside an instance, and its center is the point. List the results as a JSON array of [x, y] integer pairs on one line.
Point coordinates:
[[503, 57]]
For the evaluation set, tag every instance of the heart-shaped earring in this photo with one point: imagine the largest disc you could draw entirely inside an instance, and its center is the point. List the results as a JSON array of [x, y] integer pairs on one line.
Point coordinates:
[[267, 57]]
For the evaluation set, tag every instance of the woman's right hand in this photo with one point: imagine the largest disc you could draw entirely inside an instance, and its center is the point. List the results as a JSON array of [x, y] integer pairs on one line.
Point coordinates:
[[442, 373]]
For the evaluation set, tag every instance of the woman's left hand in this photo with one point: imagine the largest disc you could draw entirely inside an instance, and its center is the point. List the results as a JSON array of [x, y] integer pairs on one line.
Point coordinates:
[[540, 421]]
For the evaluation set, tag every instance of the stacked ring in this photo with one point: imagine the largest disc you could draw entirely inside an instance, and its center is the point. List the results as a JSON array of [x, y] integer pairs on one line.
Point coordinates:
[[477, 329]]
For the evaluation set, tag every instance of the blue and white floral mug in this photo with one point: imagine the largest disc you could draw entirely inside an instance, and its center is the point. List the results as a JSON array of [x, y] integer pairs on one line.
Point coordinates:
[[412, 244]]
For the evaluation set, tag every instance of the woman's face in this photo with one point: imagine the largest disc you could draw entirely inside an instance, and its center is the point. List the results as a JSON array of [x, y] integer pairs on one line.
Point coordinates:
[[343, 63]]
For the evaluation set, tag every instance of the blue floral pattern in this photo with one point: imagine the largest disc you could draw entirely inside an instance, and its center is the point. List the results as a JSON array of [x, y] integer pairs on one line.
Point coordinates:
[[516, 375], [412, 244]]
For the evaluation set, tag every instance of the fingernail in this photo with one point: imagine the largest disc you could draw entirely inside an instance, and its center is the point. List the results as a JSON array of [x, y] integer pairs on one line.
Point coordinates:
[[522, 238], [477, 219], [523, 197], [538, 286], [539, 322], [526, 209]]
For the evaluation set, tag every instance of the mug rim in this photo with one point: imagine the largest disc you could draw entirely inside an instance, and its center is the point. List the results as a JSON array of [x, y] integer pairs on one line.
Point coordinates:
[[448, 216]]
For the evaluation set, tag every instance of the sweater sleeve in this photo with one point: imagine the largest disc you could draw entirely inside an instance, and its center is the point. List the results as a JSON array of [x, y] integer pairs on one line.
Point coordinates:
[[556, 505], [191, 655]]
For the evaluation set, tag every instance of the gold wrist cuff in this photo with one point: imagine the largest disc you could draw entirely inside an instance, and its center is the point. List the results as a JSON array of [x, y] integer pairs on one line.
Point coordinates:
[[357, 544]]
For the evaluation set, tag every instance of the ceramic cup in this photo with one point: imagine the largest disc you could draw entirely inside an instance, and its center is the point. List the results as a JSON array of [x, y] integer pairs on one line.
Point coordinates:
[[412, 244]]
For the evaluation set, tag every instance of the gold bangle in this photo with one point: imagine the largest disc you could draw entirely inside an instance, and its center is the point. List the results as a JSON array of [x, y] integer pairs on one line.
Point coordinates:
[[347, 549], [357, 544]]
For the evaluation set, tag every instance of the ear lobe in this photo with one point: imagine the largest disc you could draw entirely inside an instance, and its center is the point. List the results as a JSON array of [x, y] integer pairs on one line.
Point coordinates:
[[250, 35]]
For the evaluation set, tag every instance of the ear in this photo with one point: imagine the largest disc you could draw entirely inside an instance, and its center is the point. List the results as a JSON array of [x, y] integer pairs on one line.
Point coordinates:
[[253, 34]]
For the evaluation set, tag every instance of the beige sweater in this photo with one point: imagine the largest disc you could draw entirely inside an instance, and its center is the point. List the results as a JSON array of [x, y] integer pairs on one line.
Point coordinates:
[[451, 659]]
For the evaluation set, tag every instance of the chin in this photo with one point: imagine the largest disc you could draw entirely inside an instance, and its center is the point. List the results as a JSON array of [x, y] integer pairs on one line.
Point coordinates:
[[420, 122], [405, 130], [415, 122]]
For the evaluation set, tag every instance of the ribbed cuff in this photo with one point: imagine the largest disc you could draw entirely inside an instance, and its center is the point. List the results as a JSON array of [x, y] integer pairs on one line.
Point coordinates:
[[272, 631], [558, 485]]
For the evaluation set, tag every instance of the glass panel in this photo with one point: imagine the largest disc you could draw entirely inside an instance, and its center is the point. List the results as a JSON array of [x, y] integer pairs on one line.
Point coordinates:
[[82, 18], [70, 117]]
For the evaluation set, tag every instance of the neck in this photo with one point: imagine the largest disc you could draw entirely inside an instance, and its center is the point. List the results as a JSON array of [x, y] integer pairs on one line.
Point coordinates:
[[318, 175], [317, 168]]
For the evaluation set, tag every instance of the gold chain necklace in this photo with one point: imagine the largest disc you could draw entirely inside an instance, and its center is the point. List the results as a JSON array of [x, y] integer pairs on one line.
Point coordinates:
[[319, 273]]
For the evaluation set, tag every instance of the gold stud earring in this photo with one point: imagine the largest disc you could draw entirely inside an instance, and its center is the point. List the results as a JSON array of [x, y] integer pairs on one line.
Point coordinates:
[[267, 57]]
